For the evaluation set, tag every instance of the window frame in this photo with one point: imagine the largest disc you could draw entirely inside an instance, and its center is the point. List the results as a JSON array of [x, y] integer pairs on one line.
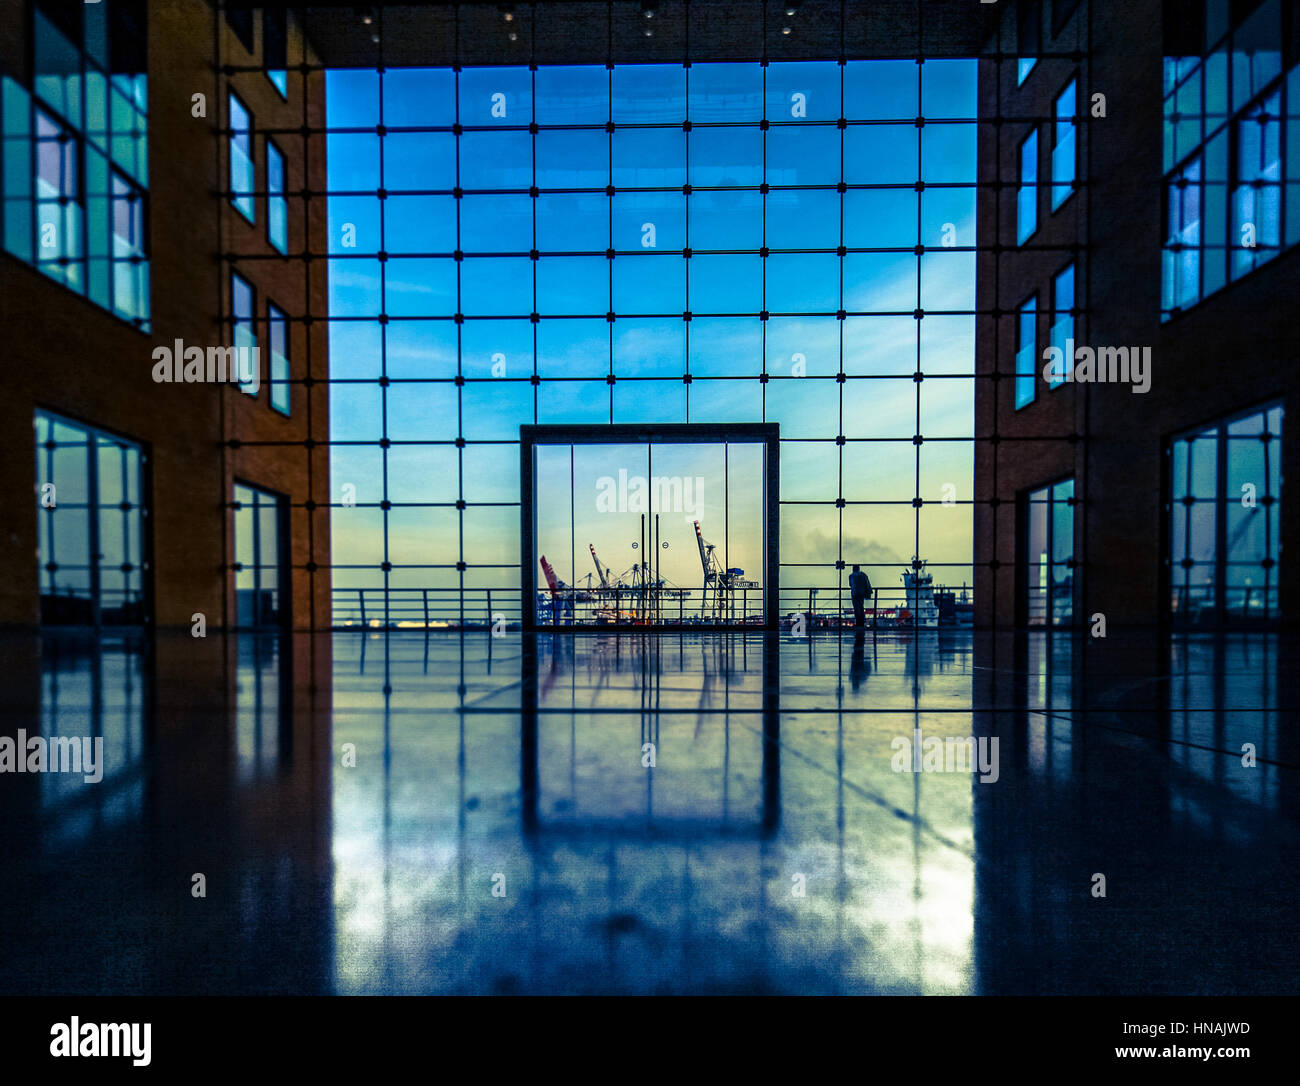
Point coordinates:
[[1236, 184], [1024, 565], [1026, 309], [238, 196], [39, 109], [262, 498], [277, 316], [1221, 501], [1032, 134], [1198, 55], [95, 564], [277, 197], [115, 173], [1057, 311], [251, 322], [1057, 185]]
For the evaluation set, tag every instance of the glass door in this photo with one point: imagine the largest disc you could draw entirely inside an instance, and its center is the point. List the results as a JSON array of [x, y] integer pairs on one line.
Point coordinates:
[[649, 533], [91, 538], [260, 575]]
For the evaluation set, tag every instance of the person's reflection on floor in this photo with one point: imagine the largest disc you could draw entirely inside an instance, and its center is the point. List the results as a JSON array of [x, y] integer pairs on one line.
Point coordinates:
[[858, 668]]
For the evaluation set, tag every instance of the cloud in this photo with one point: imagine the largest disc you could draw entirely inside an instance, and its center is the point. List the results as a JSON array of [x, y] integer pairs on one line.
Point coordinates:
[[817, 546]]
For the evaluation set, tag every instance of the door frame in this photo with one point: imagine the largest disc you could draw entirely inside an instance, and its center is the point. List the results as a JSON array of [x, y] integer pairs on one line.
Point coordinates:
[[283, 568], [765, 433], [94, 432]]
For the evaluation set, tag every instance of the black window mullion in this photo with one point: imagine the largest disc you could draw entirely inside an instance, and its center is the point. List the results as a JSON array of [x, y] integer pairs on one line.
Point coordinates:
[[1221, 523]]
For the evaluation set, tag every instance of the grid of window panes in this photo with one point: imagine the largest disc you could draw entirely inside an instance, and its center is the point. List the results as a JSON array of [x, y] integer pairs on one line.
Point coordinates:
[[1231, 154], [1224, 512], [91, 560], [76, 156], [724, 242]]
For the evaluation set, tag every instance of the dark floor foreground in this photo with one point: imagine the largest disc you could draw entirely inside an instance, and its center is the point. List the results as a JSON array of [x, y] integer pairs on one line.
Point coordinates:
[[459, 813]]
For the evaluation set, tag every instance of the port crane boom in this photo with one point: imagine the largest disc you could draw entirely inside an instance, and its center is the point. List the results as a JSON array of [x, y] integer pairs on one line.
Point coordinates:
[[601, 571], [704, 555], [562, 595], [550, 577], [723, 581]]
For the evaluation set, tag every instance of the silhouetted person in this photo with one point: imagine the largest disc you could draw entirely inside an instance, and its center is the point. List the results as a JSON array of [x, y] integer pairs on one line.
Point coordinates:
[[859, 589]]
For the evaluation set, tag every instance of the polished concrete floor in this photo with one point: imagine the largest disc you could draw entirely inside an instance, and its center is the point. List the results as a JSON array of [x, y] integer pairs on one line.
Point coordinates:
[[457, 813]]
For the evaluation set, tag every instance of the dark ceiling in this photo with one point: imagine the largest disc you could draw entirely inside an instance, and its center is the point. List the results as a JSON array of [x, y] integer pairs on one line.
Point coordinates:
[[595, 31]]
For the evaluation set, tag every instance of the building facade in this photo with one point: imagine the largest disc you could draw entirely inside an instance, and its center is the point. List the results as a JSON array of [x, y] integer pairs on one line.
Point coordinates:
[[1142, 480], [164, 188], [135, 167]]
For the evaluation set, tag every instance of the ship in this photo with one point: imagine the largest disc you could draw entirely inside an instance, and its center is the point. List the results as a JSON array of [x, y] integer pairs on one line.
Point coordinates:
[[920, 609]]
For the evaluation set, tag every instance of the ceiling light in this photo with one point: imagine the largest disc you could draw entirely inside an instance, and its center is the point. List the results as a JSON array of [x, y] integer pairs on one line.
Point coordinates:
[[785, 30]]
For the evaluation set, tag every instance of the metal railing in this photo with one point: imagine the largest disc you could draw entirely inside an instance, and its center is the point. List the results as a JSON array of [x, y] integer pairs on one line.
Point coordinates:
[[1198, 605], [424, 608], [477, 608]]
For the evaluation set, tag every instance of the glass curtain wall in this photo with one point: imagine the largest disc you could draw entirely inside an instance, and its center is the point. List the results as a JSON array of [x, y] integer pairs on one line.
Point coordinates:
[[648, 243]]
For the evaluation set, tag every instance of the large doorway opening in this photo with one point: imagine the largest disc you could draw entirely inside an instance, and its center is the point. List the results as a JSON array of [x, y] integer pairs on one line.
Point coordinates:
[[1047, 555], [649, 526], [92, 544], [261, 579]]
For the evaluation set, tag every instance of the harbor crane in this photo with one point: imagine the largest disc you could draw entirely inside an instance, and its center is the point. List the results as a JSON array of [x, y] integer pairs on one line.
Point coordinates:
[[601, 571], [554, 583], [724, 582], [561, 594]]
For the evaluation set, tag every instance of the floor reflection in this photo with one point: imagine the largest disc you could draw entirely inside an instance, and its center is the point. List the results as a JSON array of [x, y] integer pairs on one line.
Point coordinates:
[[95, 690], [685, 812]]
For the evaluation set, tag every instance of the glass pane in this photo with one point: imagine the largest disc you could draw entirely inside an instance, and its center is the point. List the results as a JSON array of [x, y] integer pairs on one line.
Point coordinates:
[[1027, 197], [1037, 557]]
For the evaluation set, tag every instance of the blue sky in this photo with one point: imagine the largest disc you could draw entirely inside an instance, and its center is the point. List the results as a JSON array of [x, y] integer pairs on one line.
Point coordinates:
[[498, 348]]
